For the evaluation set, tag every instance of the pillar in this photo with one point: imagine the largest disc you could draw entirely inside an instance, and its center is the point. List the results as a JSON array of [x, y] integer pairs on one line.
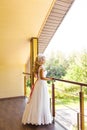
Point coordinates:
[[33, 54]]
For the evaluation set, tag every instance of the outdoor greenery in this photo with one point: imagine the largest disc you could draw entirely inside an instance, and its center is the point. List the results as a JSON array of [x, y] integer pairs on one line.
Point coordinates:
[[57, 66], [73, 68]]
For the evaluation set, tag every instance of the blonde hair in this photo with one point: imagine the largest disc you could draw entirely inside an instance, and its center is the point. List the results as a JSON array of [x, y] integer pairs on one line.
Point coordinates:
[[37, 64]]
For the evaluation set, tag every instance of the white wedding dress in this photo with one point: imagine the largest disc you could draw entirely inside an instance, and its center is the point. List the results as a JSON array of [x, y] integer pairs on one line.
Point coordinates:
[[37, 111]]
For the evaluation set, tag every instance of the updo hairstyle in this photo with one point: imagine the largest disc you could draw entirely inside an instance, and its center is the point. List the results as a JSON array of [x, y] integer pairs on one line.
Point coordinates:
[[38, 61]]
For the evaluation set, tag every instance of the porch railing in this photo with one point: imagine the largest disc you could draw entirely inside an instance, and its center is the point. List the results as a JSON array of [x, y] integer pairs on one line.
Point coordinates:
[[80, 115]]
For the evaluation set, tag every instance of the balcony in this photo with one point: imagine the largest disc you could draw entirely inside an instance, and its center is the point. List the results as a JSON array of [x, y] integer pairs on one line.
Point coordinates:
[[11, 111], [65, 118], [70, 116]]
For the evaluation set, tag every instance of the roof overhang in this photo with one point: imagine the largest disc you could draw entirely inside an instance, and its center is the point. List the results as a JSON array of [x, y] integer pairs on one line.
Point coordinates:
[[52, 22]]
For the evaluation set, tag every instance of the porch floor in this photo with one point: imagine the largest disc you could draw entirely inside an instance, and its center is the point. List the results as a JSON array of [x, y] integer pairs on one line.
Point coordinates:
[[11, 111]]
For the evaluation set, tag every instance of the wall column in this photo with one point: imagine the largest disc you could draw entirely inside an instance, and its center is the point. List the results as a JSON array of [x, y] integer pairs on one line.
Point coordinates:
[[33, 54]]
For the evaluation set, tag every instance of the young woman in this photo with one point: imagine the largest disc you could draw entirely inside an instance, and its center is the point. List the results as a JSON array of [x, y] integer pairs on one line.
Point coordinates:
[[37, 110]]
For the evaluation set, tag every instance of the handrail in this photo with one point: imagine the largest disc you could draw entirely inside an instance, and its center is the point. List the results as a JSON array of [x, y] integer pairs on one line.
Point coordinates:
[[67, 81], [72, 82], [26, 73], [81, 97]]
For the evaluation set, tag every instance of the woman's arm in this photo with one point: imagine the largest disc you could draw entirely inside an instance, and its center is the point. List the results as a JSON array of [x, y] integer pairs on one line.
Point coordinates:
[[42, 75]]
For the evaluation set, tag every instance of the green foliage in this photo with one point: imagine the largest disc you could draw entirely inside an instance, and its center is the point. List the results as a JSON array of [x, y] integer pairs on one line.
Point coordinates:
[[27, 91], [71, 89], [84, 65], [56, 71], [28, 84], [74, 73], [56, 67], [85, 90], [77, 70], [73, 68]]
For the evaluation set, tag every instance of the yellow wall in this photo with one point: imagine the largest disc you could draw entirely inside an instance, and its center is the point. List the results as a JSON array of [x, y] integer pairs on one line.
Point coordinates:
[[11, 81]]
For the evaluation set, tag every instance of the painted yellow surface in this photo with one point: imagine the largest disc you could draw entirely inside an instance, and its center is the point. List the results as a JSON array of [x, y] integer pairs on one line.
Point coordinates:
[[11, 81], [35, 49], [19, 21]]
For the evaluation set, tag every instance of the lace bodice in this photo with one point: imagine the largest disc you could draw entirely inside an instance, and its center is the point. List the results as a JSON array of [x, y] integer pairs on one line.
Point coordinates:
[[45, 72]]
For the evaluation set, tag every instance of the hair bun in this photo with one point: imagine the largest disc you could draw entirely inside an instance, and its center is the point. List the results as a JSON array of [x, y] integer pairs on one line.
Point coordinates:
[[40, 56]]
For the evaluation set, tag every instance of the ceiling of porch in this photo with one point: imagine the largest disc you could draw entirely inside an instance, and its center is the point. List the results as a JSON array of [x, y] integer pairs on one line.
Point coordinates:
[[53, 21]]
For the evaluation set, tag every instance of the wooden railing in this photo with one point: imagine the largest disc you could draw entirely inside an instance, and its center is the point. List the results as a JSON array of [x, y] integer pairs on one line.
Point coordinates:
[[25, 73], [25, 79], [81, 97]]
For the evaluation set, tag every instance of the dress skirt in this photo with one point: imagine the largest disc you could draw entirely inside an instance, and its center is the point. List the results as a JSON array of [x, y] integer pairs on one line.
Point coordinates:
[[37, 111]]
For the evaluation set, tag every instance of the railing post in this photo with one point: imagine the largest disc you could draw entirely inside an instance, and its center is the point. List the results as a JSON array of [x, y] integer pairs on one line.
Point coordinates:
[[50, 104], [24, 85], [53, 100], [77, 121], [81, 95]]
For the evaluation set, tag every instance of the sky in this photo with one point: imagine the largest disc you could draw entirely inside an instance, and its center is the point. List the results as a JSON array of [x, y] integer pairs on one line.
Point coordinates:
[[71, 35]]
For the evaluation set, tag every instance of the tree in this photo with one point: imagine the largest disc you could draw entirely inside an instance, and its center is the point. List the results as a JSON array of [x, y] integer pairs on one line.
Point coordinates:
[[57, 66], [77, 69], [84, 65]]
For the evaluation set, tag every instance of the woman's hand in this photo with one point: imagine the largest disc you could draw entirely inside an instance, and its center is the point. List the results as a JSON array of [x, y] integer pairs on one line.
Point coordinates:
[[50, 78]]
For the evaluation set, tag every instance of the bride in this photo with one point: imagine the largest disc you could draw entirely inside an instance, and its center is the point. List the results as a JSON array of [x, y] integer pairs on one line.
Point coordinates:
[[37, 110]]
